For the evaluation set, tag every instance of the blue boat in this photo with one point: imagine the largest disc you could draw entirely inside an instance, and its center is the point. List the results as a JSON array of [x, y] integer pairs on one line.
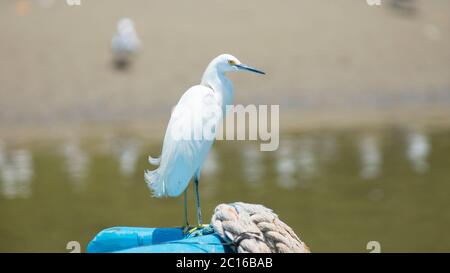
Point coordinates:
[[157, 240]]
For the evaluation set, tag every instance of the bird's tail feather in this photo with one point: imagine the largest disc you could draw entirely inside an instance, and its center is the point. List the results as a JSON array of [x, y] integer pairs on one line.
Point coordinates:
[[155, 182]]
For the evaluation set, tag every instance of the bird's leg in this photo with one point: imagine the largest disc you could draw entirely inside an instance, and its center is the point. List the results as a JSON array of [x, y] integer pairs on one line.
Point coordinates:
[[199, 211], [186, 222]]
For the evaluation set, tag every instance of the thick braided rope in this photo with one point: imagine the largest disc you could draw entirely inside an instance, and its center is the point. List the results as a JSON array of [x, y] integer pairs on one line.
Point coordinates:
[[255, 229]]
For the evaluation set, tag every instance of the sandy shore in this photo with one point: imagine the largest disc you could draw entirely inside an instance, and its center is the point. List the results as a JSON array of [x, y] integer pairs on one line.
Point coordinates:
[[329, 63]]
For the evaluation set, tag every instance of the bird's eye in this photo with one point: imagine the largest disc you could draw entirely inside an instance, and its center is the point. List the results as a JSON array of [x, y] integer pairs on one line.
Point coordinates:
[[231, 62]]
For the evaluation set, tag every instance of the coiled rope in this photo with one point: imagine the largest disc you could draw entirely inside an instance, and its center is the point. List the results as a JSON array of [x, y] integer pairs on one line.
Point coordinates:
[[252, 228]]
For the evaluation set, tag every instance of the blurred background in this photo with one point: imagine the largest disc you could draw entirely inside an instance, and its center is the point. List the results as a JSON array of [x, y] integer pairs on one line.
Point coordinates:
[[364, 95]]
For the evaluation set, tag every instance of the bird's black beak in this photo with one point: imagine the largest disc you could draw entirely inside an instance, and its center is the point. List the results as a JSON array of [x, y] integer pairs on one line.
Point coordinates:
[[249, 68]]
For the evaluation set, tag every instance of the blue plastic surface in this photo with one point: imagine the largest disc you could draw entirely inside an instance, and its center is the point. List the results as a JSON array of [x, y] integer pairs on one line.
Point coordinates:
[[154, 240]]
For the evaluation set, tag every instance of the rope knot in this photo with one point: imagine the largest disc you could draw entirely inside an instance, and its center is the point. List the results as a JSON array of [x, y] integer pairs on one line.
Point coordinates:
[[253, 228]]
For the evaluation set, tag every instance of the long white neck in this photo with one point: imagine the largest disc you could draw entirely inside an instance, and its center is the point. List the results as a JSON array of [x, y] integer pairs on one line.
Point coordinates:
[[215, 79]]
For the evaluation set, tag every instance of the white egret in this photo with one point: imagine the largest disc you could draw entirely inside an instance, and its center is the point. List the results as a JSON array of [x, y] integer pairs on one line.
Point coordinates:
[[182, 158], [125, 42]]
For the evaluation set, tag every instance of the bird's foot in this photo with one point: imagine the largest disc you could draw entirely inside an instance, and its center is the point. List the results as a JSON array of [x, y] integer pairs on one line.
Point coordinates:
[[196, 228], [186, 229], [189, 230]]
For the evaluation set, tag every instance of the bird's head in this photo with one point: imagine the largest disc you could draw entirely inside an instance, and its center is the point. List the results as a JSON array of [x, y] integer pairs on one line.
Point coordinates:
[[125, 25], [227, 62]]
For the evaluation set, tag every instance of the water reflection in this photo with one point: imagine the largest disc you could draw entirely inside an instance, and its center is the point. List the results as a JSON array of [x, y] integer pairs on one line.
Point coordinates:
[[418, 149], [286, 165], [328, 148], [307, 158], [325, 162], [209, 171], [76, 165], [16, 172], [253, 168], [211, 166], [127, 152], [370, 156], [376, 194]]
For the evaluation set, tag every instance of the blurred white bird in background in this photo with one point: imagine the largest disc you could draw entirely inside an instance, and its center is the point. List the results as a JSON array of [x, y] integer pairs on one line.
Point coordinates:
[[125, 43], [195, 115]]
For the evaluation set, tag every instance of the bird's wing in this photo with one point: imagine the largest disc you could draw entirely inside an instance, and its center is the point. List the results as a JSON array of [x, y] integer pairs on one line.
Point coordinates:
[[125, 43], [188, 139]]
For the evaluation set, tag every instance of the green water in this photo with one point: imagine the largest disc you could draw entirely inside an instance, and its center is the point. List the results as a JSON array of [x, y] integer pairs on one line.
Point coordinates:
[[337, 190]]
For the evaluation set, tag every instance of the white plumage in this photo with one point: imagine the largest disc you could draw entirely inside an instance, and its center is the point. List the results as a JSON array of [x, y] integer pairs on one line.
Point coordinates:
[[191, 129], [125, 42], [182, 158]]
